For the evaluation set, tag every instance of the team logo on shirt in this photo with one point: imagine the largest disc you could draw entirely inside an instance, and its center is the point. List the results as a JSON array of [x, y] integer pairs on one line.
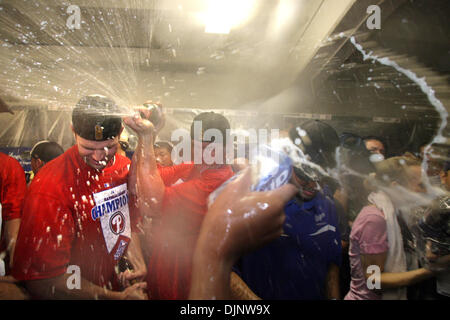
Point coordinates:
[[117, 223], [109, 205], [111, 208]]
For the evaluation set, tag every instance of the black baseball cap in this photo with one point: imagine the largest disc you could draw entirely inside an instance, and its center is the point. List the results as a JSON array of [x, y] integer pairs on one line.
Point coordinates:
[[318, 140], [96, 118], [46, 150]]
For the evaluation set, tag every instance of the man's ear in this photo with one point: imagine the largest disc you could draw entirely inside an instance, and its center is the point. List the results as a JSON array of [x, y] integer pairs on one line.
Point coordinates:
[[40, 163]]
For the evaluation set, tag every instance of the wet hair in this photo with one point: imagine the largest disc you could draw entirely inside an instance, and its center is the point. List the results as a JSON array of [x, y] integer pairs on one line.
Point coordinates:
[[46, 150], [163, 144], [95, 118], [211, 120], [393, 169]]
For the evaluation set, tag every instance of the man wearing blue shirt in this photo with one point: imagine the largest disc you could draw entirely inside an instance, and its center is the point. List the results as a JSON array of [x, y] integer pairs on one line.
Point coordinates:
[[303, 264]]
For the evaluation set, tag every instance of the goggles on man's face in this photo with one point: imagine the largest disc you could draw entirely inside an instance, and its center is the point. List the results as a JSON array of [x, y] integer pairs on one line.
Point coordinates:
[[351, 141], [306, 173]]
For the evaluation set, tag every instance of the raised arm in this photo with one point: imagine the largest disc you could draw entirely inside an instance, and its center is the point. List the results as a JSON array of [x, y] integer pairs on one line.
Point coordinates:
[[237, 222], [146, 188]]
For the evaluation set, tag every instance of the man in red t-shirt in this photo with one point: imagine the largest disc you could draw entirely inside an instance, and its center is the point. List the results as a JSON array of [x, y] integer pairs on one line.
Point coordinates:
[[176, 198], [12, 192], [77, 221]]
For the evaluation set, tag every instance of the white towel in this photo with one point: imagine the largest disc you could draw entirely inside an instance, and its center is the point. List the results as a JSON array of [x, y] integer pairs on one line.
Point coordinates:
[[396, 258]]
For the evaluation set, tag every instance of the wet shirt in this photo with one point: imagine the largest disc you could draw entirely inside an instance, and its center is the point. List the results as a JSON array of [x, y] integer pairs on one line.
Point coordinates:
[[368, 236], [12, 192], [175, 235], [75, 215], [295, 266]]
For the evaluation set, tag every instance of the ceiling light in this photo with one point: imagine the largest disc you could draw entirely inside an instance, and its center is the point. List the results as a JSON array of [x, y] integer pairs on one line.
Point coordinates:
[[223, 15]]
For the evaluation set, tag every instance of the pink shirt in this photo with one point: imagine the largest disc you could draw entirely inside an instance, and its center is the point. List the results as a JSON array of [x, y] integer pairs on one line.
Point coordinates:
[[368, 236]]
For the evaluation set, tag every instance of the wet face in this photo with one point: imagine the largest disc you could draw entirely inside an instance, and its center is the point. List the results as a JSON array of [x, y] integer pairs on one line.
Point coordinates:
[[307, 189], [375, 146], [97, 154], [163, 157]]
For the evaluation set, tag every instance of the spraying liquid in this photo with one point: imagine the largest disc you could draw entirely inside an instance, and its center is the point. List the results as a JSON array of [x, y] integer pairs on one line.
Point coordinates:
[[433, 232]]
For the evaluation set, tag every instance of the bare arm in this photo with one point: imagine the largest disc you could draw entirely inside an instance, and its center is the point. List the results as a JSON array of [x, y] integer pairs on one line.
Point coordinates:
[[11, 232], [145, 184], [393, 279], [210, 275], [235, 224], [332, 289]]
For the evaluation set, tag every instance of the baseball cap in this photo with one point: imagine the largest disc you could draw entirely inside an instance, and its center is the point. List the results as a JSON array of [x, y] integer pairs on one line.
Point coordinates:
[[46, 150], [95, 118]]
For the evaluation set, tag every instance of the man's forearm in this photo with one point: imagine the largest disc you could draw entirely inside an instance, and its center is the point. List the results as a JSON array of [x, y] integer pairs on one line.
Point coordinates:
[[11, 232], [145, 181], [58, 288], [402, 279]]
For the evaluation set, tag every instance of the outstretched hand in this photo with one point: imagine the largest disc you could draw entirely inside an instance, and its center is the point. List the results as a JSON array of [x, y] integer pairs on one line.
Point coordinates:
[[240, 220]]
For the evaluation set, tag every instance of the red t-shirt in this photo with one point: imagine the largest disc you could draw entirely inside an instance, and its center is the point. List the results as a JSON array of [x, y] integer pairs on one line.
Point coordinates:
[[175, 235], [12, 192], [75, 215]]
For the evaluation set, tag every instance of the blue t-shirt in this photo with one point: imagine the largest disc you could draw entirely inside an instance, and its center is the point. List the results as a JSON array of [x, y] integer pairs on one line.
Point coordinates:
[[295, 265]]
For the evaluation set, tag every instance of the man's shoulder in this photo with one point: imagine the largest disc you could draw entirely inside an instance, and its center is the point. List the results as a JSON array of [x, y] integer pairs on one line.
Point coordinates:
[[55, 172], [369, 215], [10, 161]]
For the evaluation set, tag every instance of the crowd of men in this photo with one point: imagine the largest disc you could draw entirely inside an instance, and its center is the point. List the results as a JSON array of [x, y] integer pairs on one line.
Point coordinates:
[[143, 229]]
